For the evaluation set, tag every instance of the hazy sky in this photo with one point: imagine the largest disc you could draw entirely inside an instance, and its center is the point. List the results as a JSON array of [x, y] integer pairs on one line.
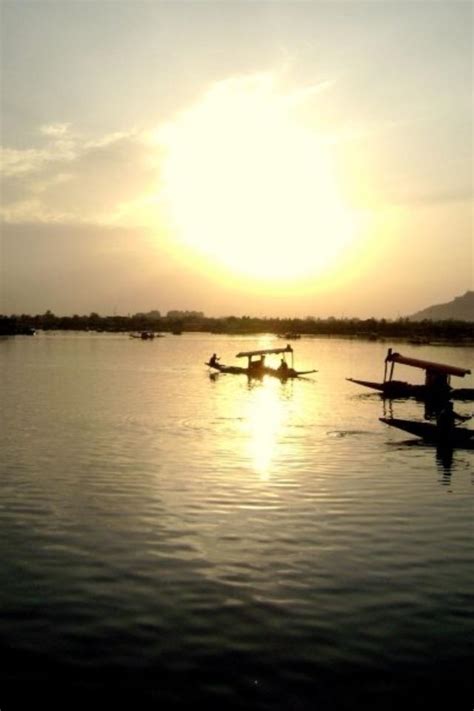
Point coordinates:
[[267, 158]]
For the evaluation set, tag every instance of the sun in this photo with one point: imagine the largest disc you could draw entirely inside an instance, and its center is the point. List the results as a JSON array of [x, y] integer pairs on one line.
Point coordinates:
[[250, 186]]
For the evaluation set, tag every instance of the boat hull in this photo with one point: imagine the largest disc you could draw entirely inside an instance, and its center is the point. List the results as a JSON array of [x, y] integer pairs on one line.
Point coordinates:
[[260, 372], [459, 437], [465, 394], [234, 369], [394, 389]]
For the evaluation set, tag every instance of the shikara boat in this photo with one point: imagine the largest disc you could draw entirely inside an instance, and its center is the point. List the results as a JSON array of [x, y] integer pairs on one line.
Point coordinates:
[[146, 335], [437, 384], [256, 367], [429, 432]]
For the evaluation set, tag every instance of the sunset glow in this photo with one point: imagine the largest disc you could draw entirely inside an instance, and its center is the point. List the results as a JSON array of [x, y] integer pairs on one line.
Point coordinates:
[[266, 158], [251, 188]]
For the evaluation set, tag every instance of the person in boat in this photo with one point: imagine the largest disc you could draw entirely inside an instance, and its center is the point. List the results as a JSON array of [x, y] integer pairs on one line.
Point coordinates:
[[213, 360], [437, 385], [446, 422], [283, 367]]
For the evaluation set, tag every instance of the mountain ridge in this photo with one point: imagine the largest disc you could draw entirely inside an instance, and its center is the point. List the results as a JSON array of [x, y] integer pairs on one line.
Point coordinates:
[[461, 308]]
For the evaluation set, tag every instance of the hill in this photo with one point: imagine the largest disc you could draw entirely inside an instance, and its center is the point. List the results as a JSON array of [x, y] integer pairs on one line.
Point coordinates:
[[461, 308]]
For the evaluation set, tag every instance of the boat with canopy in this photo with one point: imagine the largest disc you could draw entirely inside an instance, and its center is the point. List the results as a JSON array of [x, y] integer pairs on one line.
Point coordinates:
[[256, 366], [437, 385]]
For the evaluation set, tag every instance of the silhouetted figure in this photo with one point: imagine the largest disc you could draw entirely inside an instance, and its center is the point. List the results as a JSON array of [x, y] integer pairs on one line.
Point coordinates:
[[283, 367], [446, 421], [213, 360], [437, 385]]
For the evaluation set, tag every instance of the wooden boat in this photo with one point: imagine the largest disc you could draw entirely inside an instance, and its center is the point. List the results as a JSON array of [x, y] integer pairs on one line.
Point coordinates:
[[146, 335], [436, 387], [256, 367], [429, 432]]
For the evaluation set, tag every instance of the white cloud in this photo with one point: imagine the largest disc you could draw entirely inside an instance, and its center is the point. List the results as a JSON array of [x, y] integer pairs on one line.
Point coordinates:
[[78, 179], [55, 129]]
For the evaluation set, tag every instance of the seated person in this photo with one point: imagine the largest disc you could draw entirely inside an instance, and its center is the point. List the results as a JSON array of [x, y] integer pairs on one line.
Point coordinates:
[[437, 384], [283, 367], [446, 420]]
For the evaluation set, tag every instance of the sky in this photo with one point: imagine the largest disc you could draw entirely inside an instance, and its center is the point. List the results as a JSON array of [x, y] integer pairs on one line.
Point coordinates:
[[267, 158]]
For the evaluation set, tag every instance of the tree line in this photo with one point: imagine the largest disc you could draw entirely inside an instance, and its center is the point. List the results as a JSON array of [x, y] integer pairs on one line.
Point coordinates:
[[178, 321]]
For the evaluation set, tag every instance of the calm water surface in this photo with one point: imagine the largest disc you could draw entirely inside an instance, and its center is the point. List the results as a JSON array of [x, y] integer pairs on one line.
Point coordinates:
[[171, 539]]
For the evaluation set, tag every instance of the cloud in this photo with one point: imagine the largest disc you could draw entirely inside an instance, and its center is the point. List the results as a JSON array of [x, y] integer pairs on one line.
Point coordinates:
[[55, 129], [114, 179], [73, 178]]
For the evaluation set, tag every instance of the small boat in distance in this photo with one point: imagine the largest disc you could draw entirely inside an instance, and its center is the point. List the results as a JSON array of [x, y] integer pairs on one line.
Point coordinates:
[[437, 386], [429, 432], [146, 335], [256, 366], [290, 336]]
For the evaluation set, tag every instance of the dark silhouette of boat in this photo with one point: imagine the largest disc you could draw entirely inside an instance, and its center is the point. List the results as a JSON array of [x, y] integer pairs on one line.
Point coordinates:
[[146, 335], [429, 432], [437, 386], [256, 367]]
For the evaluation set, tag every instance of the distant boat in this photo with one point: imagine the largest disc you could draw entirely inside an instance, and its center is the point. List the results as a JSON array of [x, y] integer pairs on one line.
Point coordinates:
[[429, 432], [256, 367], [290, 336], [437, 385], [146, 335]]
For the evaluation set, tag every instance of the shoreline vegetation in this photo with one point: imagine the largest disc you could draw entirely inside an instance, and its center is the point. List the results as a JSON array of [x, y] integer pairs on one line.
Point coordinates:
[[176, 322]]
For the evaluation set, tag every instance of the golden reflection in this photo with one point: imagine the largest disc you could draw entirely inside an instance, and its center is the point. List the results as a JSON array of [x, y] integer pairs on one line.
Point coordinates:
[[267, 414]]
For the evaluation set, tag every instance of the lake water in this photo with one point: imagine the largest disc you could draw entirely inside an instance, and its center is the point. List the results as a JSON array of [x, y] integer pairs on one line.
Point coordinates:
[[173, 539]]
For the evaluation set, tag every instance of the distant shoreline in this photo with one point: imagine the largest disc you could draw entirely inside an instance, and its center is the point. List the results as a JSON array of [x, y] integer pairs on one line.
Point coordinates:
[[416, 333]]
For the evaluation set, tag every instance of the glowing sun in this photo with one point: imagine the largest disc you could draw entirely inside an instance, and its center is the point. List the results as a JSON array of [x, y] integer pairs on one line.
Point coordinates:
[[251, 187]]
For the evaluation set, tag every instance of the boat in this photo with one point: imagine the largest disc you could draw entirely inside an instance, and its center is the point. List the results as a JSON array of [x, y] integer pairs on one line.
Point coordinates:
[[146, 335], [429, 432], [437, 386], [290, 336], [256, 367]]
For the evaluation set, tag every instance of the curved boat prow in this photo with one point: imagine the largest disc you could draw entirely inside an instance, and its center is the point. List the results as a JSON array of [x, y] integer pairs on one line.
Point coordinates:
[[367, 384]]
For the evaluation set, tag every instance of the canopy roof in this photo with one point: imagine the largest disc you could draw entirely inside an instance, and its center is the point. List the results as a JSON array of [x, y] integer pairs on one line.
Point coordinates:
[[426, 364], [267, 351]]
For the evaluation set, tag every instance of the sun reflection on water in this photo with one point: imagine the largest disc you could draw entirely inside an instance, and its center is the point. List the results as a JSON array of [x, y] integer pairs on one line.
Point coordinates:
[[267, 414]]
